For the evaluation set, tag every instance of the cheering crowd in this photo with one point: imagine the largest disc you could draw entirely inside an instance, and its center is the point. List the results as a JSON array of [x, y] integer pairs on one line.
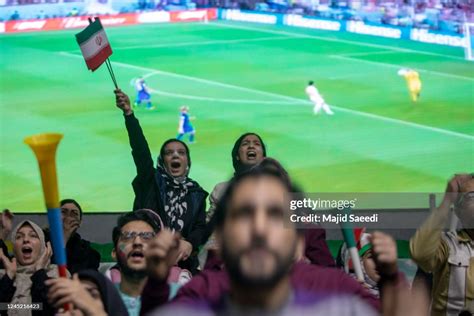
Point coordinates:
[[238, 255]]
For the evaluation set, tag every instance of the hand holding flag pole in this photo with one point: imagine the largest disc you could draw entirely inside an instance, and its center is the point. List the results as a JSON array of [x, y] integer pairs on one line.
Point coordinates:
[[95, 47], [348, 234]]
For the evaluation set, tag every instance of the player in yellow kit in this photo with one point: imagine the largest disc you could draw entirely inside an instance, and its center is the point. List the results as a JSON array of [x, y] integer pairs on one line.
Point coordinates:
[[413, 81]]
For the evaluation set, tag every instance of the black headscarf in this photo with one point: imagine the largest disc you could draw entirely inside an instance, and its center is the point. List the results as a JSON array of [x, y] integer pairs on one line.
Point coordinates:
[[238, 166], [176, 189], [111, 299]]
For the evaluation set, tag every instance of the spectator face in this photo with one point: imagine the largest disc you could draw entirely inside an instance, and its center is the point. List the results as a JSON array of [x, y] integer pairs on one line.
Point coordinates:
[[27, 245], [71, 216], [175, 159], [131, 247], [465, 205], [369, 266], [93, 290], [258, 248], [250, 150]]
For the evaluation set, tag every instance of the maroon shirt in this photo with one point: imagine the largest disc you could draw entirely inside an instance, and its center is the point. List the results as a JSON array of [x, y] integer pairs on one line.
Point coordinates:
[[209, 286], [316, 251]]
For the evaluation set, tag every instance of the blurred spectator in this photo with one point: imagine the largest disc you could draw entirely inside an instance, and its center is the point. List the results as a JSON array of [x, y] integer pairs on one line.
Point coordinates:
[[316, 250], [259, 247], [15, 16], [449, 255], [89, 292], [131, 237], [22, 279], [74, 12], [80, 254], [6, 221], [167, 190], [249, 150], [445, 16], [41, 15], [141, 5], [364, 243]]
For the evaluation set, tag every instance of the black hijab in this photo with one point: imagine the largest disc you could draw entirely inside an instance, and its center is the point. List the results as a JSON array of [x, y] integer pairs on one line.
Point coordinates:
[[111, 299]]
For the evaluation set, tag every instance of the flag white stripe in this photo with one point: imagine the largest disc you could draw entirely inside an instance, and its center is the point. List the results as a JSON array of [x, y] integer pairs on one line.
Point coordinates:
[[90, 48]]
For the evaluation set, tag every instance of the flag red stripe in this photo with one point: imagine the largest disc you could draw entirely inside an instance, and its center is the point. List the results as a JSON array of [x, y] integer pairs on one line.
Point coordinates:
[[95, 62]]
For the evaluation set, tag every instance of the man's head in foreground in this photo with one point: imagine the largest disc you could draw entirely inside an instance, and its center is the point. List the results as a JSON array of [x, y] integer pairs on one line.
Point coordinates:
[[258, 243]]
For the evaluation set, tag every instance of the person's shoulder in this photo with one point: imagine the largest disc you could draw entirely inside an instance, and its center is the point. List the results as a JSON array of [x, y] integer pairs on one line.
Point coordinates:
[[84, 243], [199, 308], [312, 274], [197, 188], [220, 187], [210, 275], [208, 285]]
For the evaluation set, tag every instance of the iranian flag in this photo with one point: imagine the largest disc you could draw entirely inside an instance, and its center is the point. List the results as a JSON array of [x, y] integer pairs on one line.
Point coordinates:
[[95, 46]]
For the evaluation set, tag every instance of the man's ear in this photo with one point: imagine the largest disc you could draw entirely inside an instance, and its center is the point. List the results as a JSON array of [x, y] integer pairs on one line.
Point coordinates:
[[300, 247], [218, 240], [114, 254]]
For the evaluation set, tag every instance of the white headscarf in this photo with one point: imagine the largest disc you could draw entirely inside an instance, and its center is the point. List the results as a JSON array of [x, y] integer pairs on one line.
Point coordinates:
[[22, 280]]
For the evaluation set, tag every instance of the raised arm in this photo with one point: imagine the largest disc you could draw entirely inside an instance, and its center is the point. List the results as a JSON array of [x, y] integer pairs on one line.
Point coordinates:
[[427, 248], [140, 150]]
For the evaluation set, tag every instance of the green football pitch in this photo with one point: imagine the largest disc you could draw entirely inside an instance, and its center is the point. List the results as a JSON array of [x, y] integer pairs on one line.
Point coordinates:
[[236, 78]]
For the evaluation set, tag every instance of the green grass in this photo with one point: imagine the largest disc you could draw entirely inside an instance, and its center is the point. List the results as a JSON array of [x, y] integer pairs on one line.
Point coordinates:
[[376, 142]]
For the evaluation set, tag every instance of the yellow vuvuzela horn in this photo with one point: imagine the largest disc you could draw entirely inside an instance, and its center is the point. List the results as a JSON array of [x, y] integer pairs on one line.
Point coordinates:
[[44, 146]]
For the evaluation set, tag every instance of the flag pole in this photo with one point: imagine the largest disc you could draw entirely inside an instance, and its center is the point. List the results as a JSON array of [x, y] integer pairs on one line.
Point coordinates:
[[348, 234], [111, 72]]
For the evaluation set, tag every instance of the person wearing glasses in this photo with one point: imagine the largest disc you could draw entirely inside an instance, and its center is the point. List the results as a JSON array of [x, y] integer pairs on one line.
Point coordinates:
[[131, 237]]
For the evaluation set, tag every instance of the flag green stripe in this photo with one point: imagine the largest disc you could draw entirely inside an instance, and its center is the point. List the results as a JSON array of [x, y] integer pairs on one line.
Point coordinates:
[[89, 31]]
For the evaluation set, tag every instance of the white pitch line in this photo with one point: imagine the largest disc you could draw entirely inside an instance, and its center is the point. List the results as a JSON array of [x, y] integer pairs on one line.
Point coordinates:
[[237, 101], [275, 95], [197, 43], [327, 39], [368, 53], [224, 100], [444, 74]]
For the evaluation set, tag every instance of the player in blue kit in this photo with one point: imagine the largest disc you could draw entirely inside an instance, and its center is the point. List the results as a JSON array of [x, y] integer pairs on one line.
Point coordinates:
[[184, 126], [143, 94]]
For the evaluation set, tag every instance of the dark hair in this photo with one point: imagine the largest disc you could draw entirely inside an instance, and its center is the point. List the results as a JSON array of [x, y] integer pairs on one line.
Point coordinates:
[[138, 215], [235, 152], [273, 164], [311, 82], [256, 172], [66, 201], [161, 161]]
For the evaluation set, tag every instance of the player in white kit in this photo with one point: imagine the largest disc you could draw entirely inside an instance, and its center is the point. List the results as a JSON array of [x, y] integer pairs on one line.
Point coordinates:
[[317, 99]]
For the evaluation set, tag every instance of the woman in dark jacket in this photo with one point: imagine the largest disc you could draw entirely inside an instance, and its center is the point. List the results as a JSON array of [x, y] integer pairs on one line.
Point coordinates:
[[167, 189]]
